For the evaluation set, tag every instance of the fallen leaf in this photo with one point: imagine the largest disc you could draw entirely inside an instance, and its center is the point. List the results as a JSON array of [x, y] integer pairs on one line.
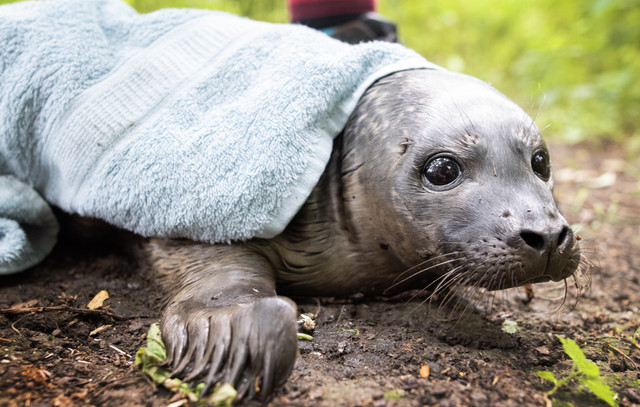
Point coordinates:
[[61, 400], [98, 300], [543, 350], [80, 394], [99, 329], [22, 305], [509, 327], [424, 371], [37, 375]]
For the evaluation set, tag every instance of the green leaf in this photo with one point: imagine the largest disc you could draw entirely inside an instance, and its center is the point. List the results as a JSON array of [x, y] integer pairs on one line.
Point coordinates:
[[589, 369], [547, 375], [572, 349], [394, 394], [353, 330], [584, 365], [305, 336], [602, 390], [155, 346], [509, 327], [148, 358], [223, 396]]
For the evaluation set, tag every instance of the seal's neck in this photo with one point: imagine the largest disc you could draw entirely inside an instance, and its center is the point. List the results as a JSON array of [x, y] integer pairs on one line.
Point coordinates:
[[331, 241]]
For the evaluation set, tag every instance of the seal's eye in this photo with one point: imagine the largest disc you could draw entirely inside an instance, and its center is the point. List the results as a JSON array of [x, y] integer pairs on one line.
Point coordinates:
[[442, 171], [540, 165]]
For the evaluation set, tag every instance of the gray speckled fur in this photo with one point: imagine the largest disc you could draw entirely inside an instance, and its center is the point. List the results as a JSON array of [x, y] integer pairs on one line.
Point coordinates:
[[371, 218]]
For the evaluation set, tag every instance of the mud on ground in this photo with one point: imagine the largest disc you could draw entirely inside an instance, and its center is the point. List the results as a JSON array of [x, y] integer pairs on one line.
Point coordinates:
[[65, 355]]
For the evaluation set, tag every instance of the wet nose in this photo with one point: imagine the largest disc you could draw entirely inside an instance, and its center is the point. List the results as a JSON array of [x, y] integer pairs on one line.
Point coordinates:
[[548, 241]]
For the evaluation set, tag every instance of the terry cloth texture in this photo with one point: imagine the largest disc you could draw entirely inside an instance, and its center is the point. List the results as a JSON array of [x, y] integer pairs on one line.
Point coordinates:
[[179, 123]]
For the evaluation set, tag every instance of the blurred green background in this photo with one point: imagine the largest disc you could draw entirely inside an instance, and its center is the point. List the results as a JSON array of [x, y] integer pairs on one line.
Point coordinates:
[[575, 64]]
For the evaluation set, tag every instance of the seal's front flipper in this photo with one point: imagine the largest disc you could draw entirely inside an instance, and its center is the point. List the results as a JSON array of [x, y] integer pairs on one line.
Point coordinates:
[[225, 324], [251, 346]]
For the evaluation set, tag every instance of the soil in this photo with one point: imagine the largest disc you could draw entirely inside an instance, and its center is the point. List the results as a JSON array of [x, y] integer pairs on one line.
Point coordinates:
[[405, 352]]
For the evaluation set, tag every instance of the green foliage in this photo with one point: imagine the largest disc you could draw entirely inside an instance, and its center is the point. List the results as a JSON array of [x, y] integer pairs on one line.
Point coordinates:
[[394, 394], [509, 327], [580, 57], [268, 10], [634, 338], [148, 360], [576, 61], [584, 371], [304, 336]]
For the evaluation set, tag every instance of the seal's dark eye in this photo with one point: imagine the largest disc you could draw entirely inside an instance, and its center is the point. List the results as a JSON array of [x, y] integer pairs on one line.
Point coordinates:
[[442, 171], [540, 165]]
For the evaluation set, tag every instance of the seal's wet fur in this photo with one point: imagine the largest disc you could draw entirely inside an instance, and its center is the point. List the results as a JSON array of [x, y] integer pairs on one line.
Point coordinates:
[[373, 223]]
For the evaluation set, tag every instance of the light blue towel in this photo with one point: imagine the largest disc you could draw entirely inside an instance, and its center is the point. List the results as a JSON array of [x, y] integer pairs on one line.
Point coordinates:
[[178, 123]]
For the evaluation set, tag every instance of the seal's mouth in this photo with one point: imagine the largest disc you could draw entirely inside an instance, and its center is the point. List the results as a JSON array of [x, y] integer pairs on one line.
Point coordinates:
[[494, 265]]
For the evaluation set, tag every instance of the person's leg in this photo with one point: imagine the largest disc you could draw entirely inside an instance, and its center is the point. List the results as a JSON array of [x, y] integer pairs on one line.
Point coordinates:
[[351, 21]]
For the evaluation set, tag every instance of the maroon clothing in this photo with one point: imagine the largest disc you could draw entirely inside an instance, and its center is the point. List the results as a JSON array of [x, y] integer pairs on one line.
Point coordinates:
[[313, 9]]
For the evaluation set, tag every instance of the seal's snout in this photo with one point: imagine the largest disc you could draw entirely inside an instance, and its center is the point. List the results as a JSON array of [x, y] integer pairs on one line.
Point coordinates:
[[549, 241], [549, 250]]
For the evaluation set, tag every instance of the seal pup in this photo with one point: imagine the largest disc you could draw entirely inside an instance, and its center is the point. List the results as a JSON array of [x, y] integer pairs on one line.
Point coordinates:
[[436, 177]]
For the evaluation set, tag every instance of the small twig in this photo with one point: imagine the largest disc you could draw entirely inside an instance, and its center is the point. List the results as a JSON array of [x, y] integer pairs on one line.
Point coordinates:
[[340, 314], [149, 381], [13, 326], [623, 355], [318, 308], [121, 351], [83, 311]]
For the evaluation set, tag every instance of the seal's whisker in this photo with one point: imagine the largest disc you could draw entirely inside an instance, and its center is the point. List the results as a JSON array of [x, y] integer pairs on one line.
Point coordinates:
[[472, 297], [443, 282], [535, 115], [565, 293], [459, 310], [501, 282], [494, 277], [514, 276], [415, 266], [395, 280], [465, 117], [439, 280], [483, 279], [545, 127], [446, 301], [582, 276], [395, 284], [450, 278], [452, 293], [489, 298]]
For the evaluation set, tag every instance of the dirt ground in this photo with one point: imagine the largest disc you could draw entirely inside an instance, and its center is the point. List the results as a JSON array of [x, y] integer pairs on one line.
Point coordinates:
[[54, 351]]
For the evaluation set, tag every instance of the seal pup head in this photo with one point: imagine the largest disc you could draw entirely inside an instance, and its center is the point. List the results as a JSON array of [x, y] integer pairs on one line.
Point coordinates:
[[463, 179]]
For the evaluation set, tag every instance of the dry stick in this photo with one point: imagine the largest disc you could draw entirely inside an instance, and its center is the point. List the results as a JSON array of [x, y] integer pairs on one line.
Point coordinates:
[[84, 311], [13, 326], [623, 355]]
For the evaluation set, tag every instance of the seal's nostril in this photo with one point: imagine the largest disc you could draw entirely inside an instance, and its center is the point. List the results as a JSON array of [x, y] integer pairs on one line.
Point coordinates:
[[564, 234], [533, 239]]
